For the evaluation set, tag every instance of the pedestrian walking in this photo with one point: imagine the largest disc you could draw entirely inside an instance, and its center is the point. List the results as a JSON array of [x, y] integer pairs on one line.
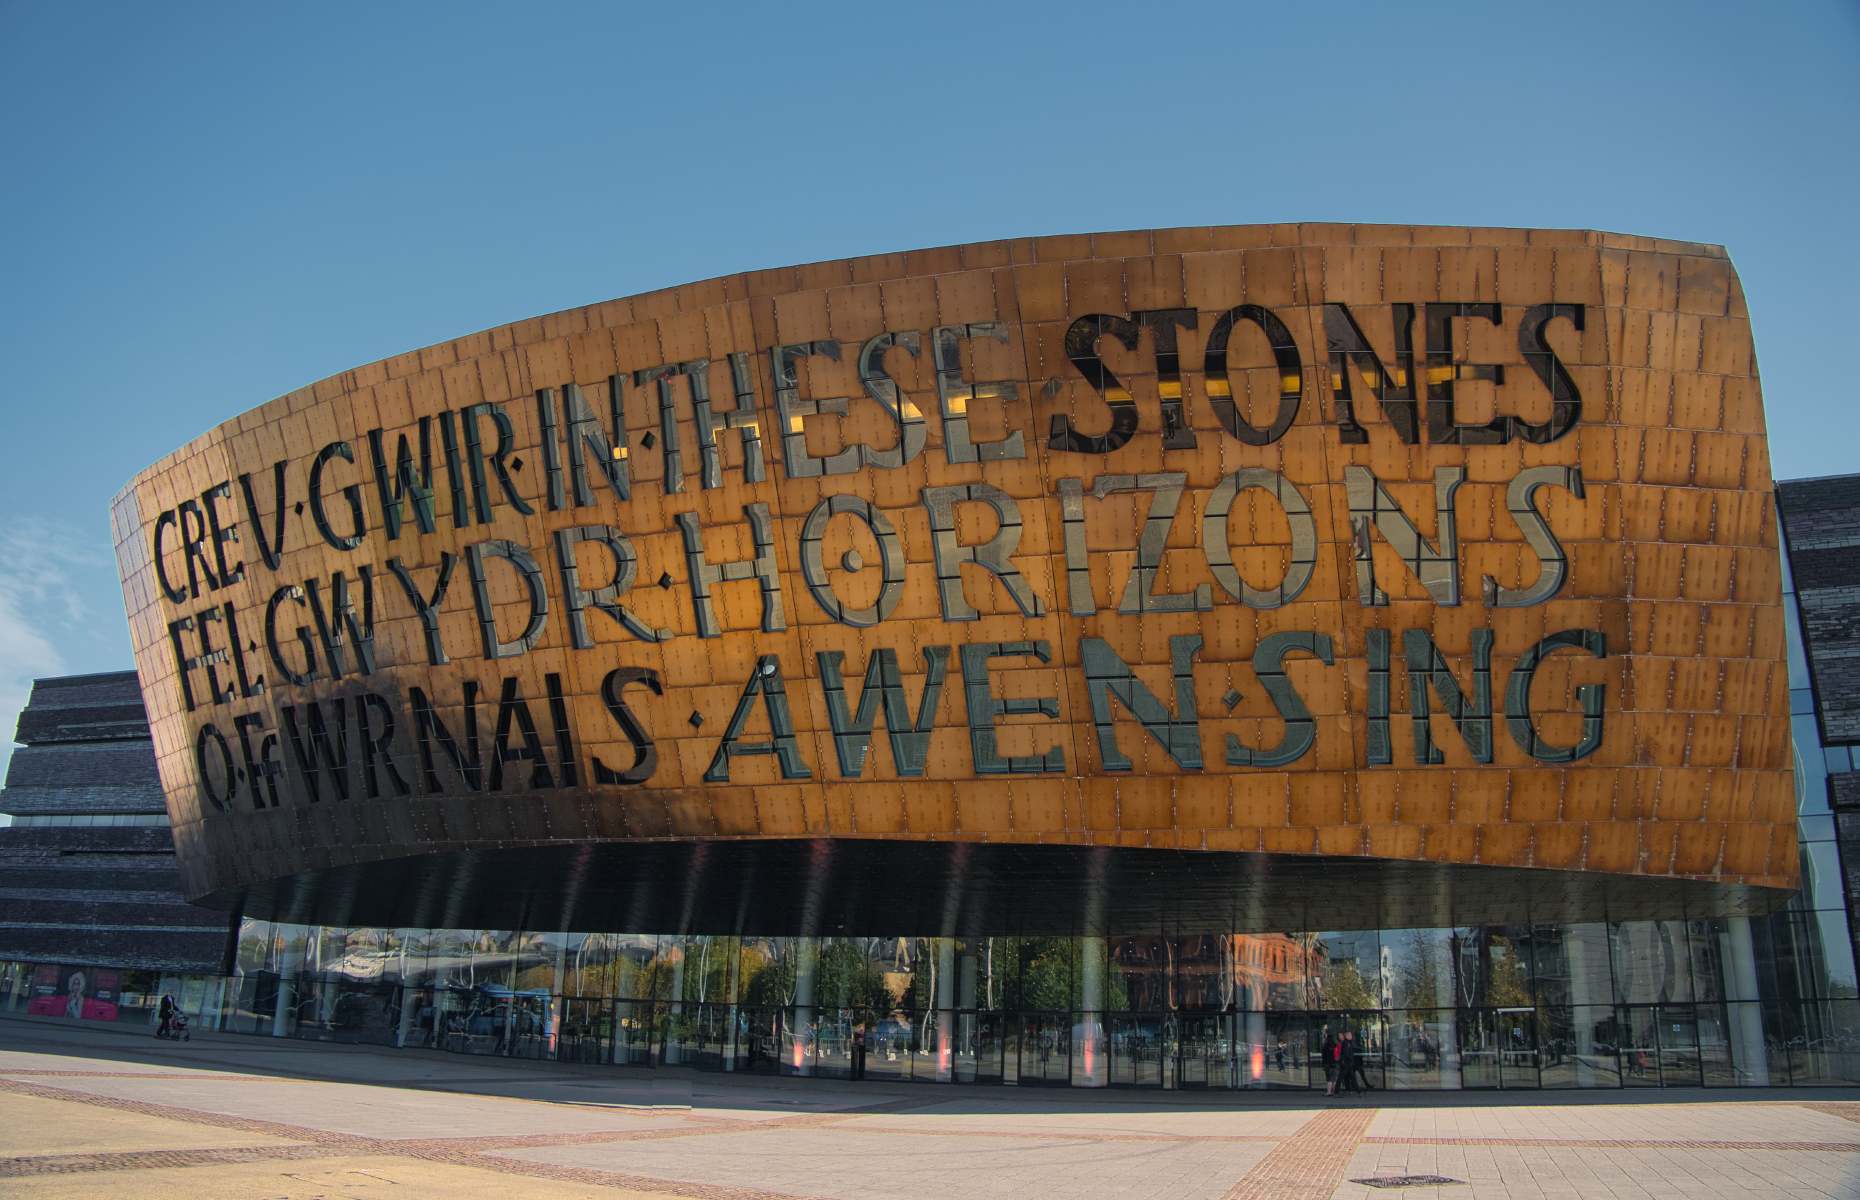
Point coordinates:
[[1348, 1059], [1328, 1049]]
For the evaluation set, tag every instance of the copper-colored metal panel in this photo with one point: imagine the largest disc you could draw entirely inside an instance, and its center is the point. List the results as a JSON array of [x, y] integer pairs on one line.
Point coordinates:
[[1152, 539]]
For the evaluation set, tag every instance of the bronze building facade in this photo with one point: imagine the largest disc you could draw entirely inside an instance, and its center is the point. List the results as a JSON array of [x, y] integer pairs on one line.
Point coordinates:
[[1116, 654]]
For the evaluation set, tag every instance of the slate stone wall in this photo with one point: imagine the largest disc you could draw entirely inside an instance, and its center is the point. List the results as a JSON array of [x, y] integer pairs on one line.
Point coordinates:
[[1821, 526], [1821, 521], [89, 894]]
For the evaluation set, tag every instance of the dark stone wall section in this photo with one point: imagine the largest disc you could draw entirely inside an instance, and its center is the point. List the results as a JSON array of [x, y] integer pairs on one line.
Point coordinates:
[[1821, 521], [1821, 526], [94, 894]]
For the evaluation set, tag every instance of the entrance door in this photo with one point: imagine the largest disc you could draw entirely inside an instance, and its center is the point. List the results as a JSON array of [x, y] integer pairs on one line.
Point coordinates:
[[980, 1043], [633, 1033], [1136, 1051], [1046, 1049], [1640, 1047], [1517, 1047], [1679, 1046], [759, 1045], [1200, 1054], [1479, 1048], [586, 1031]]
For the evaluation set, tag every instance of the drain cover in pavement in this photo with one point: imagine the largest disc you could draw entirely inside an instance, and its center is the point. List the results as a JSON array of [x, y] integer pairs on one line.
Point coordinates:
[[1401, 1181]]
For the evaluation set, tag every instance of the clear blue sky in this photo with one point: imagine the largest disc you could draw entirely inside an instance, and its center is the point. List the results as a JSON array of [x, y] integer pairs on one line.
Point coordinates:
[[203, 208]]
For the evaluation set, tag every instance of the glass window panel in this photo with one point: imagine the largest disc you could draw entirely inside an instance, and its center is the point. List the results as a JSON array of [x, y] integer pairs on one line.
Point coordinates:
[[852, 974], [981, 1046], [1707, 960], [448, 955], [1420, 969], [1480, 1046], [1135, 1049], [1578, 1046], [493, 958], [1270, 972], [1423, 1049], [1046, 966], [1259, 1050], [629, 963], [1519, 1064], [323, 950], [1837, 759], [766, 969], [254, 953], [1045, 1048], [587, 1031], [635, 1023], [1141, 968], [588, 968], [1821, 876], [1811, 772], [1716, 1060], [369, 956], [1493, 966], [894, 1039], [1372, 1048], [1571, 966], [1826, 1046], [1754, 1035], [1815, 958], [1679, 1045], [538, 961], [1637, 1029], [1088, 961], [1205, 1045], [1798, 662], [1801, 702], [657, 973], [988, 972], [709, 976], [290, 945], [1816, 829], [403, 955], [1746, 954], [1651, 963], [1203, 973], [1346, 970]]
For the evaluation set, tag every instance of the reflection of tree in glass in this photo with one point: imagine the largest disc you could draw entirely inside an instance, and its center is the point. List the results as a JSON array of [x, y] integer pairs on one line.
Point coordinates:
[[1508, 986], [1047, 967], [847, 979], [1345, 988], [768, 980], [1417, 977]]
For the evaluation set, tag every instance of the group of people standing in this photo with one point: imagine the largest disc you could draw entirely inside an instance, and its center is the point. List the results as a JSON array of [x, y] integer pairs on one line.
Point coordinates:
[[1343, 1063]]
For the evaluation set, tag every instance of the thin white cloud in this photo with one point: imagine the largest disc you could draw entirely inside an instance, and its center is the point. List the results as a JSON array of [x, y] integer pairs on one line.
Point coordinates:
[[41, 607]]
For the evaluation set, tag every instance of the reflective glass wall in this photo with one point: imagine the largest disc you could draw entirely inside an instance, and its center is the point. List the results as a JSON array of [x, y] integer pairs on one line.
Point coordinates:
[[1729, 1002]]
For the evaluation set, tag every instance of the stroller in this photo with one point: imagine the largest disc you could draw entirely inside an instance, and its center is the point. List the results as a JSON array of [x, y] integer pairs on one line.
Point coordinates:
[[175, 1028]]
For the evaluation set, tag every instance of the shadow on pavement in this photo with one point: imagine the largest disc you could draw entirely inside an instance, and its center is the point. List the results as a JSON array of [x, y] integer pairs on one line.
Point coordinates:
[[608, 1086]]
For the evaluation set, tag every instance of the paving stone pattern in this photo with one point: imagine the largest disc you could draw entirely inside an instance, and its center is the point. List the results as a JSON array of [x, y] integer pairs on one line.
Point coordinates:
[[546, 1132]]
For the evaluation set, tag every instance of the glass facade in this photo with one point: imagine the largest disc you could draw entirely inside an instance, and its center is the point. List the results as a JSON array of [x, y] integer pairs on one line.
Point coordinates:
[[1723, 1002]]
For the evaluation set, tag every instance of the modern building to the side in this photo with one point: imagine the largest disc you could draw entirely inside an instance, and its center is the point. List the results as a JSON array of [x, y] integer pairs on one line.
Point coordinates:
[[1716, 1001], [92, 922]]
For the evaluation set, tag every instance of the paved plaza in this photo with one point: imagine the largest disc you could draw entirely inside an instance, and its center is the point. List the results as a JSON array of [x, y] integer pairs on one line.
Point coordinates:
[[97, 1111]]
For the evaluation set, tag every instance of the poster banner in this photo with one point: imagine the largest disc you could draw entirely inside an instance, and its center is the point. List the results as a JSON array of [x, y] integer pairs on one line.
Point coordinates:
[[83, 993]]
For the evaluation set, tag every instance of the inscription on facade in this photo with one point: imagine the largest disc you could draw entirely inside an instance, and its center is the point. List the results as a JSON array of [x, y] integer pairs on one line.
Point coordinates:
[[242, 629]]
